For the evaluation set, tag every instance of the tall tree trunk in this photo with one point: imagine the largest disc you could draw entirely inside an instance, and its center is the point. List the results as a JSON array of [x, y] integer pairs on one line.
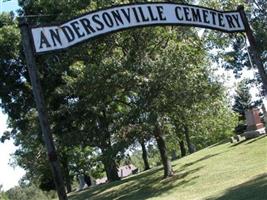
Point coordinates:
[[182, 148], [188, 141], [111, 170], [144, 155], [174, 155], [110, 166], [163, 152], [68, 181], [67, 175], [107, 151]]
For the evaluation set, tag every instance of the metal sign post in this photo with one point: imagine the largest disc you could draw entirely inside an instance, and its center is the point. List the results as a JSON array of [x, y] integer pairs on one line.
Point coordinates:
[[253, 46], [42, 113]]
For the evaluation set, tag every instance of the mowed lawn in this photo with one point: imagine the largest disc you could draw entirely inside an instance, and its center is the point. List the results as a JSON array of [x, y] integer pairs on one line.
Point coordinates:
[[220, 172]]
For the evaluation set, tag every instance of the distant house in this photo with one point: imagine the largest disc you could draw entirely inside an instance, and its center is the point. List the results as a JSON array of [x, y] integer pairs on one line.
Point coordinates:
[[123, 172], [126, 170]]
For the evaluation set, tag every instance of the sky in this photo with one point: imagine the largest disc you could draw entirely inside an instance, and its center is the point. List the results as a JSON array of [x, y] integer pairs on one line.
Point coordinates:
[[9, 176], [9, 5]]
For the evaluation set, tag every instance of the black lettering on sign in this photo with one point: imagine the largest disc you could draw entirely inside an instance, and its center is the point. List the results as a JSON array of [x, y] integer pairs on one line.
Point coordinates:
[[144, 18], [206, 16], [117, 17], [162, 17], [55, 36], [68, 32], [76, 28], [196, 15], [221, 20], [87, 26], [213, 14], [235, 17], [136, 15], [178, 12], [153, 18], [127, 14], [43, 41], [187, 13], [230, 21], [107, 19], [96, 19]]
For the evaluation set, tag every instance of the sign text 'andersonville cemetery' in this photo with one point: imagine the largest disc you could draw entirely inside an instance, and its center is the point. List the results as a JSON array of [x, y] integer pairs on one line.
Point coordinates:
[[113, 19]]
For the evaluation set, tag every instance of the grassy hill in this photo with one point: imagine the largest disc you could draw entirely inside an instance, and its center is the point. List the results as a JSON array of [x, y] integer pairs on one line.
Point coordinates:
[[220, 172]]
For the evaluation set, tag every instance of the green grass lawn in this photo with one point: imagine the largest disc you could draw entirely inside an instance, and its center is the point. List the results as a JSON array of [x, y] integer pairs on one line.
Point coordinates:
[[220, 172]]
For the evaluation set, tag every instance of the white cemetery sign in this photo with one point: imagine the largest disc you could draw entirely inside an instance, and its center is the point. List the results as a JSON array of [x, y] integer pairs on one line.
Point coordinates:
[[93, 24]]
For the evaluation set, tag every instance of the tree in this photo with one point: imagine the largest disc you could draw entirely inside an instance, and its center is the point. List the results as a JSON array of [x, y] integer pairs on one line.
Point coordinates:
[[138, 133], [169, 85], [27, 193], [3, 195], [243, 102], [243, 99], [144, 155], [232, 50]]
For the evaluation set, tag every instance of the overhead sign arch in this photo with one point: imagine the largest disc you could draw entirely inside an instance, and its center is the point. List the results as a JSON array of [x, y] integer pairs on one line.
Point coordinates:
[[113, 19]]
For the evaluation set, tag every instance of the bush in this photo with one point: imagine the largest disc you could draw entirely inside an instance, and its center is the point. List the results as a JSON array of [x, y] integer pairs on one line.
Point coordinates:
[[28, 193]]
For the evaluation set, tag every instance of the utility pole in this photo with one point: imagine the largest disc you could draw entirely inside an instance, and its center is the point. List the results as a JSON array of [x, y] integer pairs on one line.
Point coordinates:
[[253, 47], [41, 108]]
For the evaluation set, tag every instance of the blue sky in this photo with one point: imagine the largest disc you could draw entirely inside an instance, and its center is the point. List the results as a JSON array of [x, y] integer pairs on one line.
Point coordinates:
[[9, 176], [9, 5]]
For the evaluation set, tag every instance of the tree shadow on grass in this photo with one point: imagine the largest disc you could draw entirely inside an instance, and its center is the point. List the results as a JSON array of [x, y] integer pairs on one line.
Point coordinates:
[[248, 141], [143, 186], [140, 176], [255, 189], [199, 160], [158, 186], [254, 140], [219, 143], [147, 192], [94, 191], [238, 143]]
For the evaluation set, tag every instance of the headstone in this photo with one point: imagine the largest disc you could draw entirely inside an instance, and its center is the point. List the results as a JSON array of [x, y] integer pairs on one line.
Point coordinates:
[[232, 140], [253, 120], [82, 183], [238, 138], [255, 127]]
